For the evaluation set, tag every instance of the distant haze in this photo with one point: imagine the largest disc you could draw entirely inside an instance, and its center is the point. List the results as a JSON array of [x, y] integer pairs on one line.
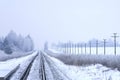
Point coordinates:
[[60, 20]]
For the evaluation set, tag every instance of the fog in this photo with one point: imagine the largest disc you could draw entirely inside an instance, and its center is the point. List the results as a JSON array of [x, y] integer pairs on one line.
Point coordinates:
[[60, 20]]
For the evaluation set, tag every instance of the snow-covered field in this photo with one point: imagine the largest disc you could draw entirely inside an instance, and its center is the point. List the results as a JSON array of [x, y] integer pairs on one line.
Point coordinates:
[[59, 70], [112, 61], [4, 56], [109, 50], [91, 72], [10, 64]]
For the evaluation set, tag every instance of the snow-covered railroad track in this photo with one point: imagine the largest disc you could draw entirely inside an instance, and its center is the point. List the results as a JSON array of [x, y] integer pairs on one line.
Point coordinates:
[[27, 70], [42, 68], [23, 71], [49, 71], [57, 73]]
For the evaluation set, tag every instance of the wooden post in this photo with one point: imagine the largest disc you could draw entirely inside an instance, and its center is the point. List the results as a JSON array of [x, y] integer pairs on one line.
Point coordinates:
[[90, 46], [78, 48], [69, 47], [115, 36], [104, 46], [85, 48], [81, 49], [72, 48], [96, 46], [75, 49]]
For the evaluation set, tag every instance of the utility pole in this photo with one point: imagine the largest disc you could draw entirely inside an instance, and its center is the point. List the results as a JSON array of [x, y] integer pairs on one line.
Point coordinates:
[[75, 49], [81, 49], [65, 48], [104, 46], [85, 48], [78, 48], [72, 47], [69, 47], [96, 46], [90, 46], [115, 36]]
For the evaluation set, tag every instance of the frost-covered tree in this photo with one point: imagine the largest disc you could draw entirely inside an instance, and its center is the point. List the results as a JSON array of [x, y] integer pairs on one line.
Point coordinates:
[[7, 47], [46, 46], [12, 38], [28, 44], [1, 43], [13, 42], [20, 42]]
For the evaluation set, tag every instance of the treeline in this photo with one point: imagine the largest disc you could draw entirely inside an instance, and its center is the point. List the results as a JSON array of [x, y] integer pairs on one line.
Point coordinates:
[[13, 42]]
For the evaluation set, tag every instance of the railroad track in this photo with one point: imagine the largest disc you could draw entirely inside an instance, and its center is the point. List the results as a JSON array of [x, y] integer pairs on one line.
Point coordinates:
[[9, 73], [42, 67], [56, 73], [27, 70], [47, 69], [23, 75]]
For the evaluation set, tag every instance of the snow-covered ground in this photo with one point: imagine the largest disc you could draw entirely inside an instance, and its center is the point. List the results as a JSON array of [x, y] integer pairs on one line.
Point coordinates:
[[23, 65], [7, 66], [112, 61], [91, 72], [4, 56], [57, 70]]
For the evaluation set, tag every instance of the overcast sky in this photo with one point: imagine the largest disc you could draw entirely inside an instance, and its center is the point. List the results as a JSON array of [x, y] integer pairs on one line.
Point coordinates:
[[60, 20]]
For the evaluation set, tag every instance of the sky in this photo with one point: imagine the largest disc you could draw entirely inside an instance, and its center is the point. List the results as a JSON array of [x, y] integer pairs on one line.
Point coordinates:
[[60, 20]]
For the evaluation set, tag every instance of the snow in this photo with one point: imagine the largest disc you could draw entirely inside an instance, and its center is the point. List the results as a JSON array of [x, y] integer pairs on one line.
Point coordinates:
[[4, 72], [9, 65], [49, 74], [55, 51], [57, 70], [15, 54], [90, 72], [24, 62], [6, 67], [109, 50], [34, 72]]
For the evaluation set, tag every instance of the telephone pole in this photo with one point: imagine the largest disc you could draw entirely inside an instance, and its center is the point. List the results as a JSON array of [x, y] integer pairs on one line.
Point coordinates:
[[85, 48], [104, 46], [78, 48], [81, 49], [70, 47], [90, 46], [75, 49], [115, 36], [96, 46]]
